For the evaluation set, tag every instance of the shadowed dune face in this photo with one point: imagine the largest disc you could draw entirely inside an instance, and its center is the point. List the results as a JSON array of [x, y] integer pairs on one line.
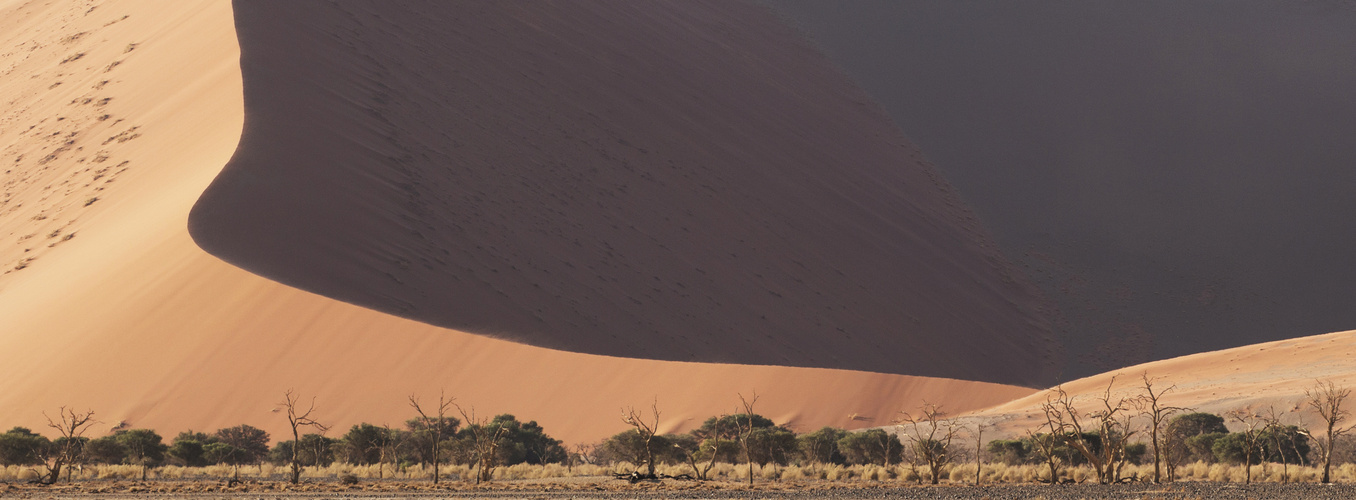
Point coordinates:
[[664, 180], [131, 319], [1177, 176]]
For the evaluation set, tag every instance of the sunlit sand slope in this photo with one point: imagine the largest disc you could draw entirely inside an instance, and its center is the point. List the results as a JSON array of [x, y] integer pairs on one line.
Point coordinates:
[[667, 180], [1252, 378], [114, 117]]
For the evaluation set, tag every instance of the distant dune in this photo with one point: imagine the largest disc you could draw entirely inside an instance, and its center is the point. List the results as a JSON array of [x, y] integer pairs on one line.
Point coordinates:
[[667, 180], [118, 114], [1253, 378], [1176, 176]]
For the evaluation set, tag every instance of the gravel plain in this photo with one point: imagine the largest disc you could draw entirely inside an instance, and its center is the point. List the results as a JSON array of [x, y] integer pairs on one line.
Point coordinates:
[[613, 489]]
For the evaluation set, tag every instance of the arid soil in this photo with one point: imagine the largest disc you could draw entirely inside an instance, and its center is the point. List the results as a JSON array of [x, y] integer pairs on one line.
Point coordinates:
[[607, 488]]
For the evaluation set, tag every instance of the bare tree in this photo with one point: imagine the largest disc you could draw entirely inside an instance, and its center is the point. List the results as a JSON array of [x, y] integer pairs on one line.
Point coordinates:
[[645, 428], [298, 419], [746, 429], [1326, 399], [389, 447], [1151, 405], [1047, 443], [434, 425], [71, 427], [1103, 421], [587, 453], [1274, 428], [1252, 426], [485, 442], [979, 451], [930, 433], [701, 472]]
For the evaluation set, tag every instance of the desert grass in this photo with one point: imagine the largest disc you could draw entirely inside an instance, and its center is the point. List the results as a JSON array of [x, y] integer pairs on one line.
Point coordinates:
[[723, 472]]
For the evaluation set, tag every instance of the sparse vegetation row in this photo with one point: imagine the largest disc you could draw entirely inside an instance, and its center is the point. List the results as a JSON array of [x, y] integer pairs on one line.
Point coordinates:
[[1107, 439]]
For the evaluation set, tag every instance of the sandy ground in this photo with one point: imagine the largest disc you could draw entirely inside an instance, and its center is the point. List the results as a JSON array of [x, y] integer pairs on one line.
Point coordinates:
[[117, 115]]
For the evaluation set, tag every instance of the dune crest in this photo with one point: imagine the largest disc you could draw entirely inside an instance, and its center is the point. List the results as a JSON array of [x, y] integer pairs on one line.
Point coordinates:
[[131, 319], [669, 180]]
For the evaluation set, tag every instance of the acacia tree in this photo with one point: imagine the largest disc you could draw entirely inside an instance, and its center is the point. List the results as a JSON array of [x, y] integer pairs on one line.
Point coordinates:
[[931, 434], [66, 449], [746, 430], [434, 426], [298, 419], [1252, 424], [1326, 399], [645, 428], [143, 446], [1151, 405]]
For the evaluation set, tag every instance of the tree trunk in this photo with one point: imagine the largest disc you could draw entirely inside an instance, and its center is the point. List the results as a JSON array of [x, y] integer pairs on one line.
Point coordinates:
[[649, 457], [54, 475], [1153, 437], [296, 461]]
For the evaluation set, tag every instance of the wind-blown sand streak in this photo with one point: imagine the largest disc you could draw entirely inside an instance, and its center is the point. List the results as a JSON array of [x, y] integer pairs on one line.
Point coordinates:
[[130, 318]]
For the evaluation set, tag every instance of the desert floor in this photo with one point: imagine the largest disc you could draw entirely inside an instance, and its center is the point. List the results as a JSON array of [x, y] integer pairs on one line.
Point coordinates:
[[606, 487]]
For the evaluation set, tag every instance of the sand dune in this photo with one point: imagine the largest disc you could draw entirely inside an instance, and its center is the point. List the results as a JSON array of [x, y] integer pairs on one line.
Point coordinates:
[[669, 180], [1252, 377], [132, 319], [1176, 176]]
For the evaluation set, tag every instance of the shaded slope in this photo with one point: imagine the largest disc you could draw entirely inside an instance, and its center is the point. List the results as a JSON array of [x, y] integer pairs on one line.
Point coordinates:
[[131, 319], [1176, 175], [670, 180]]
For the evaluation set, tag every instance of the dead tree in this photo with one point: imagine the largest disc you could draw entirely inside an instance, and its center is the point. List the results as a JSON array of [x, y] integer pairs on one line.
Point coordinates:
[[702, 472], [485, 442], [1047, 443], [66, 450], [1326, 399], [434, 426], [389, 447], [746, 431], [587, 453], [1275, 429], [1252, 424], [930, 433], [979, 451], [1104, 422], [298, 419], [645, 428], [1151, 405]]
